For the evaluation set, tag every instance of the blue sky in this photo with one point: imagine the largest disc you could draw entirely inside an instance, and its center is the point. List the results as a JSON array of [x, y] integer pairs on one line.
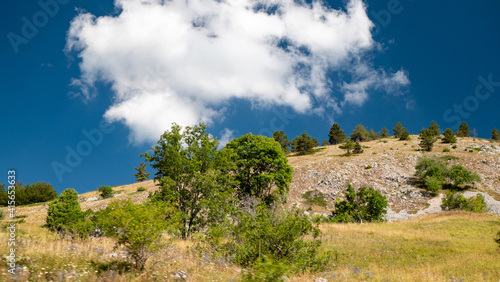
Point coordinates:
[[120, 74]]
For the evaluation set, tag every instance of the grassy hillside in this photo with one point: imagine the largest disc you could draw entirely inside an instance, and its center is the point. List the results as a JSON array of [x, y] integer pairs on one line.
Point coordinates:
[[442, 247]]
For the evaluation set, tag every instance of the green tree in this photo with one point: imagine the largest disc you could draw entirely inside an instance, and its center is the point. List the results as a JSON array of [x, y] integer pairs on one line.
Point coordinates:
[[404, 135], [4, 197], [336, 135], [304, 144], [106, 191], [348, 146], [64, 212], [360, 134], [449, 136], [373, 135], [282, 139], [384, 133], [427, 139], [261, 169], [434, 129], [366, 205], [34, 193], [463, 130], [495, 135], [325, 143], [141, 174], [460, 175], [398, 129], [138, 228], [357, 148], [194, 176]]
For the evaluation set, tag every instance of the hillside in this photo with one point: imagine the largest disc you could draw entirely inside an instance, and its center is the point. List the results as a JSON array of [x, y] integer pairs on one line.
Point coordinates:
[[392, 168]]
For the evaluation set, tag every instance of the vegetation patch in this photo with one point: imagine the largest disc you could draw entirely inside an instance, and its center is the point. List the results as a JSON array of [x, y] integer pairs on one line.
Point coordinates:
[[314, 198]]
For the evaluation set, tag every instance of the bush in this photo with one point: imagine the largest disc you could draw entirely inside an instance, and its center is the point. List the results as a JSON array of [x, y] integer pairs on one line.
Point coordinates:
[[446, 150], [357, 148], [459, 175], [454, 146], [30, 194], [141, 189], [106, 191], [287, 237], [368, 167], [314, 198], [65, 212], [456, 201], [433, 184], [365, 205], [2, 214], [266, 270]]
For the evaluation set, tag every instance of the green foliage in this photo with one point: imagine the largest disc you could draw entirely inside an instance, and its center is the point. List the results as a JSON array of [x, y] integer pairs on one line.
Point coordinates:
[[357, 148], [449, 158], [384, 133], [287, 237], [446, 150], [460, 175], [266, 270], [398, 129], [314, 198], [456, 201], [433, 184], [138, 228], [65, 212], [366, 205], [4, 197], [106, 191], [373, 135], [141, 189], [195, 176], [434, 129], [141, 174], [463, 130], [495, 135], [261, 169], [427, 139], [304, 144], [497, 239], [30, 194], [325, 143], [282, 139], [454, 146], [336, 135], [360, 134], [449, 136], [2, 214], [348, 146], [404, 135], [368, 167]]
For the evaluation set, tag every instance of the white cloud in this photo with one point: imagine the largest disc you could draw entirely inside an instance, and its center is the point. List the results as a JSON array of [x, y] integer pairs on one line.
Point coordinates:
[[226, 136], [182, 61]]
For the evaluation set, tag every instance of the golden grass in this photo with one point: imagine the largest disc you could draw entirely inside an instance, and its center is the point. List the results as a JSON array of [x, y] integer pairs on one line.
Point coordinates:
[[440, 247]]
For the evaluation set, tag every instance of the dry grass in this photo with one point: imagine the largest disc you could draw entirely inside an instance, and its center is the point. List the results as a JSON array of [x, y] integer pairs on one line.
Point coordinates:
[[440, 247]]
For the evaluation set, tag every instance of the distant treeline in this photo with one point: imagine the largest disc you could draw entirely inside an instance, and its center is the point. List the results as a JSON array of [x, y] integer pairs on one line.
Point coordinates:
[[24, 195]]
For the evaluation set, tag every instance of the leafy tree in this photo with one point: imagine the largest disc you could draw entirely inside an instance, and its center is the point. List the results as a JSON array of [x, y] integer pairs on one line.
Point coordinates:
[[360, 134], [398, 129], [261, 168], [495, 135], [357, 148], [430, 167], [427, 139], [138, 228], [194, 176], [285, 236], [384, 133], [304, 144], [106, 191], [141, 174], [366, 205], [404, 135], [460, 175], [463, 130], [434, 129], [449, 136], [373, 135], [64, 212], [325, 143], [336, 135], [348, 146], [34, 193], [282, 139]]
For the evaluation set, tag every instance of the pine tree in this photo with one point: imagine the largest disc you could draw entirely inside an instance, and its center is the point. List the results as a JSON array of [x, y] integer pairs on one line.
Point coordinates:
[[434, 128], [463, 130], [282, 138], [357, 148], [303, 144], [384, 133], [398, 129], [373, 135], [404, 135], [449, 136], [360, 134], [141, 174], [495, 135], [427, 139], [348, 146], [336, 135]]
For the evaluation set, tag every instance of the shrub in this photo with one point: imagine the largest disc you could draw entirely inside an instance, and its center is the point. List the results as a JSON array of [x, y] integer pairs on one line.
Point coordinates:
[[2, 214], [30, 194], [497, 239], [433, 184], [141, 189], [64, 212], [365, 205], [454, 146], [459, 175], [405, 135], [357, 148], [106, 191], [265, 270], [287, 237], [368, 167], [456, 201], [446, 150], [348, 146], [449, 136], [315, 198]]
